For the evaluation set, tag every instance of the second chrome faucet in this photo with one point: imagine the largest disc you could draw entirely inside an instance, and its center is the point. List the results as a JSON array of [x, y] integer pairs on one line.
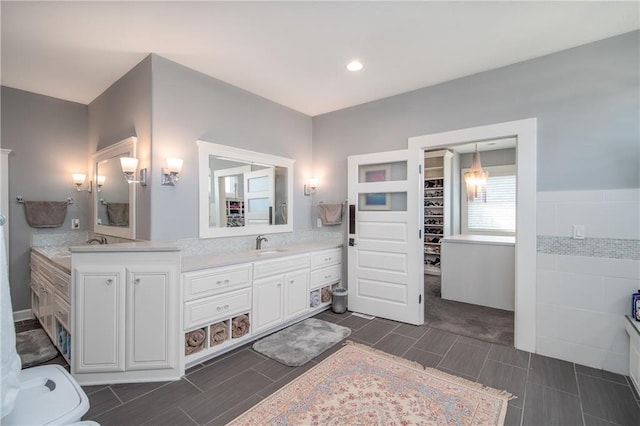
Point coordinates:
[[259, 240]]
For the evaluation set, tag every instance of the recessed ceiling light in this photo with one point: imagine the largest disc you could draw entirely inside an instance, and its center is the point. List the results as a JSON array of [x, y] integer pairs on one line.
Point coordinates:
[[354, 66]]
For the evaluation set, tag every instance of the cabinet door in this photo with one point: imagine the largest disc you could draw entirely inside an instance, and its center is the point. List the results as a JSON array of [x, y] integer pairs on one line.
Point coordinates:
[[296, 293], [148, 318], [98, 327], [267, 303]]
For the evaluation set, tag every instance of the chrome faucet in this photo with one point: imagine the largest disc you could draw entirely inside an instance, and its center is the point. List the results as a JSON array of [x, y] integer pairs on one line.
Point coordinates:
[[259, 240], [101, 240]]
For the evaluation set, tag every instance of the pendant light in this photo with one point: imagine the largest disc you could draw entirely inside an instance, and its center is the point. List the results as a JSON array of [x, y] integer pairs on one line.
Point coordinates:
[[476, 180]]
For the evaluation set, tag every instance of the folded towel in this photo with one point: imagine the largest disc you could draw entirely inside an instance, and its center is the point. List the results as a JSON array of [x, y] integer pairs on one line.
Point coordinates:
[[326, 294], [194, 341], [315, 298], [240, 326], [330, 214], [217, 333], [118, 214], [45, 214]]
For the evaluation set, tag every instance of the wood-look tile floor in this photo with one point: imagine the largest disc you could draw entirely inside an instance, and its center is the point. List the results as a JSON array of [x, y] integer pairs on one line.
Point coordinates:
[[549, 391]]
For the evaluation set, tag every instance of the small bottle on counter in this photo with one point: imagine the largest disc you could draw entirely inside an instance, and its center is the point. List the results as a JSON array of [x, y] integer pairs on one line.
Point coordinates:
[[635, 306]]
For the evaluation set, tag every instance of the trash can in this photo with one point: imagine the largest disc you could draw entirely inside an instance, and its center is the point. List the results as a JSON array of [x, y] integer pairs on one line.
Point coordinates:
[[339, 302]]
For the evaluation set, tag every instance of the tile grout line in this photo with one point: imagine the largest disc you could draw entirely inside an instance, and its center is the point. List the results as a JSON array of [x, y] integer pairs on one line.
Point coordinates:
[[575, 375]]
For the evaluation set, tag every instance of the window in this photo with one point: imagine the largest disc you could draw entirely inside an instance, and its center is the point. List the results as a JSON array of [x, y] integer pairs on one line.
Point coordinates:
[[498, 215]]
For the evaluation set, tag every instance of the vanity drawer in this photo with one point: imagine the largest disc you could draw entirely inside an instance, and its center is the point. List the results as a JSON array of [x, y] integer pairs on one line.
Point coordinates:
[[61, 311], [328, 275], [62, 283], [326, 258], [202, 311], [281, 265], [215, 281]]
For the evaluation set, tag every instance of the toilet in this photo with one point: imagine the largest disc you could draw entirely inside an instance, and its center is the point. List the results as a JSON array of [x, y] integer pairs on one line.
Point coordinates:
[[48, 396]]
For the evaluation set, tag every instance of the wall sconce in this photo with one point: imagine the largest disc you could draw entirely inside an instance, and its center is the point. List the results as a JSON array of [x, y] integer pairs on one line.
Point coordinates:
[[171, 173], [78, 179], [99, 182], [310, 188], [129, 166]]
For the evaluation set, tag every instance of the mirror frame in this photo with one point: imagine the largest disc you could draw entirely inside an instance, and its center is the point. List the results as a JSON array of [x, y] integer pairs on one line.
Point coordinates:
[[206, 149], [124, 148]]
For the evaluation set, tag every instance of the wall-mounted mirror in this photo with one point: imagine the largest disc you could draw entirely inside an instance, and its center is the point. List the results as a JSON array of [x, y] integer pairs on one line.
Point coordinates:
[[114, 198], [243, 192]]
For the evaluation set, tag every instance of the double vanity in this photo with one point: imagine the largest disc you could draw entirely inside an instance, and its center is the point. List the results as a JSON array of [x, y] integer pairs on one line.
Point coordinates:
[[136, 312], [145, 311]]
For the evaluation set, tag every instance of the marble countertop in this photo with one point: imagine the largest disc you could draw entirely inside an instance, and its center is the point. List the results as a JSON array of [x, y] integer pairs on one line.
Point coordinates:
[[480, 239], [194, 263], [61, 255]]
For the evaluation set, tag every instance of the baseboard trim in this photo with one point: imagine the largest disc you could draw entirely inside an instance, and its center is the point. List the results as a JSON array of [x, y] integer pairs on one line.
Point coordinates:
[[22, 315]]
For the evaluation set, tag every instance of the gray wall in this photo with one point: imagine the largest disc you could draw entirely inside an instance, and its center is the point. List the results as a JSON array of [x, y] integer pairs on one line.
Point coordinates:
[[585, 99], [190, 106], [48, 142], [121, 111]]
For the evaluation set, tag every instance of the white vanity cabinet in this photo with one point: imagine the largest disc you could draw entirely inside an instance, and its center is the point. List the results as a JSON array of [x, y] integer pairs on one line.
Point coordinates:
[[281, 288], [50, 298], [126, 317], [326, 273], [214, 299], [272, 293]]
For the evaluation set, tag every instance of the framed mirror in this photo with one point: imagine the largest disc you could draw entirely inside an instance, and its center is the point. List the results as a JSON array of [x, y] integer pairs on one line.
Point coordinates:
[[243, 192], [113, 197]]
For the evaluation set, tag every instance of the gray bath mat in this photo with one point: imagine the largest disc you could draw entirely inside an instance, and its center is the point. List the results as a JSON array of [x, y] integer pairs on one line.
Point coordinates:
[[300, 343], [34, 347]]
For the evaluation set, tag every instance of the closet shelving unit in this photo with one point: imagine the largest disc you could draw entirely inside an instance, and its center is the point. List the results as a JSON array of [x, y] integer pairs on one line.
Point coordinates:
[[235, 212], [437, 194]]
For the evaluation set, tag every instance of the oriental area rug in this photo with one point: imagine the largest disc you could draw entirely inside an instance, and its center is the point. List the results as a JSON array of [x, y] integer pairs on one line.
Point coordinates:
[[359, 385]]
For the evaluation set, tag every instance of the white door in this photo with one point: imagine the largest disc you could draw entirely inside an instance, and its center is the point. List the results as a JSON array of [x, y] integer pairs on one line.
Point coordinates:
[[383, 265], [296, 293], [259, 196], [99, 319], [267, 303], [148, 329]]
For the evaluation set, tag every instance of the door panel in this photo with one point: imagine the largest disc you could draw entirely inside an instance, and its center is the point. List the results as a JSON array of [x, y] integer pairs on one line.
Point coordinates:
[[382, 264]]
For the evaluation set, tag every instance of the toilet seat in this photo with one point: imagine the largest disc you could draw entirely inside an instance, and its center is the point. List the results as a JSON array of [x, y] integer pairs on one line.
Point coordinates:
[[48, 395]]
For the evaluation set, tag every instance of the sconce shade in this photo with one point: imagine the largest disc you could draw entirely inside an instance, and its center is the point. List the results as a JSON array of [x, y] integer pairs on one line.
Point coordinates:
[[129, 165], [174, 165], [101, 180], [310, 188], [476, 180], [78, 178]]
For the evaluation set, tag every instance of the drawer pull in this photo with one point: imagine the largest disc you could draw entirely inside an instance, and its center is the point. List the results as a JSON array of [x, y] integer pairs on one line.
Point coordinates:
[[222, 282], [326, 259], [219, 308]]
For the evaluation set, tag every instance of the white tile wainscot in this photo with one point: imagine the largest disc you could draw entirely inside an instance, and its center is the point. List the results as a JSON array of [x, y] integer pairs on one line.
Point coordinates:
[[584, 291], [271, 287]]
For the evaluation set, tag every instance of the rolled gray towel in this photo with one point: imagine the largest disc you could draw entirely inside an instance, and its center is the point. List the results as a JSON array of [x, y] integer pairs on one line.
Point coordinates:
[[315, 298]]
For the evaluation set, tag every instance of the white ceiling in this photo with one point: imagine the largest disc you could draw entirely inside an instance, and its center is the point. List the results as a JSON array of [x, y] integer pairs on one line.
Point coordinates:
[[293, 53]]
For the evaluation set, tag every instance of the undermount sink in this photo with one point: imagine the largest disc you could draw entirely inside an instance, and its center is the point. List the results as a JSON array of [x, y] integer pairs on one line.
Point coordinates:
[[268, 251]]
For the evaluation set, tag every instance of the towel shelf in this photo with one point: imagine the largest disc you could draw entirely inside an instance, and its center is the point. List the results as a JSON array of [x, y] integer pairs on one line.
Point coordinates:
[[20, 200]]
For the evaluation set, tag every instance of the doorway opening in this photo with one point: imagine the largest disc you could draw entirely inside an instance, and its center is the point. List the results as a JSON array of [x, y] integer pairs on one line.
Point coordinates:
[[524, 133]]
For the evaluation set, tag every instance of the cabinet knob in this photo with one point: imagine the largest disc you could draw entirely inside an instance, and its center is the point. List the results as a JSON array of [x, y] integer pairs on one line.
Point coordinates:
[[218, 282], [226, 281], [109, 281], [292, 281], [137, 281]]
